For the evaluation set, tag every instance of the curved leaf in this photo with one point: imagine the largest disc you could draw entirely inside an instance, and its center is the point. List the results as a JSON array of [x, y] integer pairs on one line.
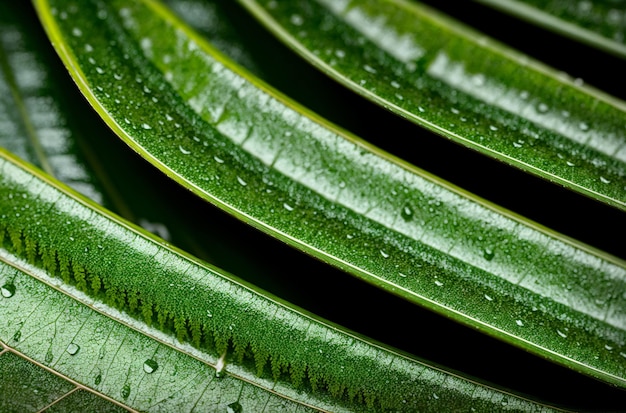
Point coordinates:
[[250, 151], [601, 24], [462, 86], [101, 264]]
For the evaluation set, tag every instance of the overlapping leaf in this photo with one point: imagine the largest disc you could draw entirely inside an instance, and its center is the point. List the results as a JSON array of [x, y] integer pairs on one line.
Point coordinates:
[[243, 147]]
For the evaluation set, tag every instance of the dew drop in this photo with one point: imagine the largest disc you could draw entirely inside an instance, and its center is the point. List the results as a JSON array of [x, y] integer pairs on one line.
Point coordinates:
[[77, 32], [88, 48], [183, 150], [218, 160], [493, 128], [583, 126], [340, 53], [407, 213], [438, 283], [562, 334], [220, 365], [296, 20], [369, 69], [72, 349], [609, 348], [100, 70], [288, 207], [384, 254], [150, 366], [435, 396], [604, 180], [421, 109], [146, 126], [402, 275], [241, 181], [519, 323], [488, 254], [234, 408], [542, 108], [488, 298], [7, 290], [125, 391], [395, 84]]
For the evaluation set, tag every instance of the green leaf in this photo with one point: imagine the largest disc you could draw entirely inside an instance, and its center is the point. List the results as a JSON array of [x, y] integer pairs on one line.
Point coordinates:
[[247, 149], [463, 86], [79, 299], [34, 121], [601, 24]]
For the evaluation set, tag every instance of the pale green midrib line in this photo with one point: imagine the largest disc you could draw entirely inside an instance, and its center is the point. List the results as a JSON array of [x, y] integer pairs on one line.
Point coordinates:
[[58, 400], [592, 193], [31, 133], [25, 270], [78, 386], [558, 25]]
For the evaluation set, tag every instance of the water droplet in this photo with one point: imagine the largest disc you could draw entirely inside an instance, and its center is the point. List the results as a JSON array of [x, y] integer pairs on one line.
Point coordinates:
[[72, 349], [88, 48], [519, 323], [7, 290], [488, 254], [150, 366], [209, 314], [455, 111], [146, 126], [183, 150], [488, 298], [421, 109], [493, 128], [220, 365], [296, 20], [604, 180], [340, 53], [218, 160], [98, 379], [438, 283], [568, 163], [395, 84], [407, 213], [241, 181], [609, 348], [542, 108], [524, 94], [583, 126], [402, 275], [562, 334], [234, 408], [369, 69], [125, 391], [77, 32], [435, 396], [288, 207], [99, 70], [384, 254]]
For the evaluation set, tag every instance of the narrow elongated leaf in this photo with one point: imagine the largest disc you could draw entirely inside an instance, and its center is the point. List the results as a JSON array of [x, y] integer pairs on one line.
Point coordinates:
[[211, 317], [248, 150], [599, 23], [463, 86], [32, 121]]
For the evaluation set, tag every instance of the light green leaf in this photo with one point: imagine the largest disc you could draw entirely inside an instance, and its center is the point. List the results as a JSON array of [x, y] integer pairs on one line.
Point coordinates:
[[601, 24], [242, 146], [463, 86], [77, 301]]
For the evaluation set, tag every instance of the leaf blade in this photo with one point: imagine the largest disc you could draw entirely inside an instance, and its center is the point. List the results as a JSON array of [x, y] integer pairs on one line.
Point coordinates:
[[464, 87], [253, 153]]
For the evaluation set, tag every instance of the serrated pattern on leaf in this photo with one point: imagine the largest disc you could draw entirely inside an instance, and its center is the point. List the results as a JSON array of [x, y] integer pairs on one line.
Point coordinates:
[[47, 326]]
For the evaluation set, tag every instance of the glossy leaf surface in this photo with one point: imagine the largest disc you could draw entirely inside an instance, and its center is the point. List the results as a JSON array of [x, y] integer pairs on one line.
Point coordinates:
[[243, 147], [59, 309], [463, 86], [599, 23]]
